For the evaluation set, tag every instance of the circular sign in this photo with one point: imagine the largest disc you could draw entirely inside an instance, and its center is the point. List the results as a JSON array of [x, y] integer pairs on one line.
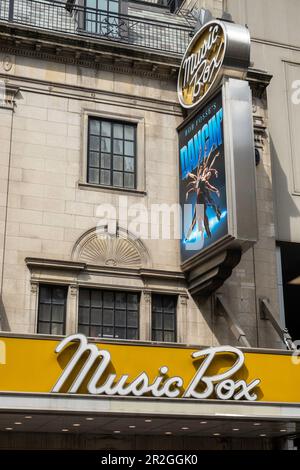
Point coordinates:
[[202, 63]]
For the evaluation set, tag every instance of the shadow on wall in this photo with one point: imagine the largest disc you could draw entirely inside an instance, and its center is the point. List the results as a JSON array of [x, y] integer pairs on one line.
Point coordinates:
[[4, 324], [282, 193]]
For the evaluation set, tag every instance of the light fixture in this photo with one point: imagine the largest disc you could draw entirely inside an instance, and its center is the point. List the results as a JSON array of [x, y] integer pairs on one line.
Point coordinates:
[[235, 429], [76, 425], [28, 417], [263, 435], [203, 422], [217, 434], [65, 430], [18, 422], [9, 429], [132, 427], [185, 428], [168, 433], [148, 420], [117, 432], [282, 430], [89, 419], [295, 282], [256, 424]]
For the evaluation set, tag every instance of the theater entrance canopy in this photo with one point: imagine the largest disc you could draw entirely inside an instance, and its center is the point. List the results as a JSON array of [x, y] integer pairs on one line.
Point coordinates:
[[49, 384]]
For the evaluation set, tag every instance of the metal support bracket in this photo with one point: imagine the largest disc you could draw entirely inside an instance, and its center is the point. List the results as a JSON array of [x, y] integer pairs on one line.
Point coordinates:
[[267, 314], [221, 308]]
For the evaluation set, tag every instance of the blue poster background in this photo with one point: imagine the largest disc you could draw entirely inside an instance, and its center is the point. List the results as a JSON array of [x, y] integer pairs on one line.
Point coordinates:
[[202, 180]]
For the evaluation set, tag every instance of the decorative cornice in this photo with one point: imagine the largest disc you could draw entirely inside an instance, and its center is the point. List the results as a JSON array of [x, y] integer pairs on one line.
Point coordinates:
[[37, 264], [259, 80], [41, 263], [88, 52], [8, 94]]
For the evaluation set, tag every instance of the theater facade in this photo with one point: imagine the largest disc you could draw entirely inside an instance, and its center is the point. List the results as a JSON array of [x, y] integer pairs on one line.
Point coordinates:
[[120, 122]]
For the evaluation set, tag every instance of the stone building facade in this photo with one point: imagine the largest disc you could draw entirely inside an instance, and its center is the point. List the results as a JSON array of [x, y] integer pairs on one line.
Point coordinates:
[[50, 235]]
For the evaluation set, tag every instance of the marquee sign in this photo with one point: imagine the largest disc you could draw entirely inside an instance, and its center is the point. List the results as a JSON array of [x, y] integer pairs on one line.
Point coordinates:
[[101, 382], [216, 47], [75, 365]]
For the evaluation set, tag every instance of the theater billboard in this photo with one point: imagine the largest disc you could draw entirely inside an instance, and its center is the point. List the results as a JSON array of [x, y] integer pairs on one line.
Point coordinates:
[[217, 185]]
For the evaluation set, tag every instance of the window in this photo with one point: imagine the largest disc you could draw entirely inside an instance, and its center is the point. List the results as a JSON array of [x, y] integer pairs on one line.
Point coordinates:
[[52, 310], [101, 17], [112, 153], [164, 318], [108, 314]]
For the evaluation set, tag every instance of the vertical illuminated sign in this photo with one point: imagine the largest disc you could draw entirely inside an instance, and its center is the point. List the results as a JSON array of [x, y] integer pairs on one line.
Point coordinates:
[[203, 195]]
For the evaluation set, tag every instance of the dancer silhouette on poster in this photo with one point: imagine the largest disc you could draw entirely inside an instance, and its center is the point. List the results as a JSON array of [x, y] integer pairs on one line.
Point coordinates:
[[201, 185]]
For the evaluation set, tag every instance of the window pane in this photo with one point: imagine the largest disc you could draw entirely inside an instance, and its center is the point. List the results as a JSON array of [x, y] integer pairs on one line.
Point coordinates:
[[96, 298], [58, 313], [114, 7], [108, 332], [45, 294], [157, 335], [132, 301], [84, 330], [108, 299], [120, 333], [132, 319], [91, 3], [164, 317], [102, 4], [132, 333], [128, 148], [94, 159], [96, 316], [84, 315], [118, 163], [157, 321], [95, 126], [169, 336], [120, 318], [45, 312], [169, 303], [57, 329], [95, 331], [128, 180], [120, 300], [105, 144], [117, 178], [108, 313], [52, 308], [44, 328], [105, 177], [105, 160], [118, 131], [113, 140], [93, 176], [118, 147], [129, 133], [157, 303], [129, 164], [58, 295], [84, 297], [106, 129], [94, 143], [169, 322], [108, 317]]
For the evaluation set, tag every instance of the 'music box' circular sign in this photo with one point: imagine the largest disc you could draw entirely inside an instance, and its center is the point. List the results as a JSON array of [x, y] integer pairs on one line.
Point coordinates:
[[216, 47]]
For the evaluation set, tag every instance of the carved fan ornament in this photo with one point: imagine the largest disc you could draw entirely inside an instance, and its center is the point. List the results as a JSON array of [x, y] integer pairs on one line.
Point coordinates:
[[100, 248]]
